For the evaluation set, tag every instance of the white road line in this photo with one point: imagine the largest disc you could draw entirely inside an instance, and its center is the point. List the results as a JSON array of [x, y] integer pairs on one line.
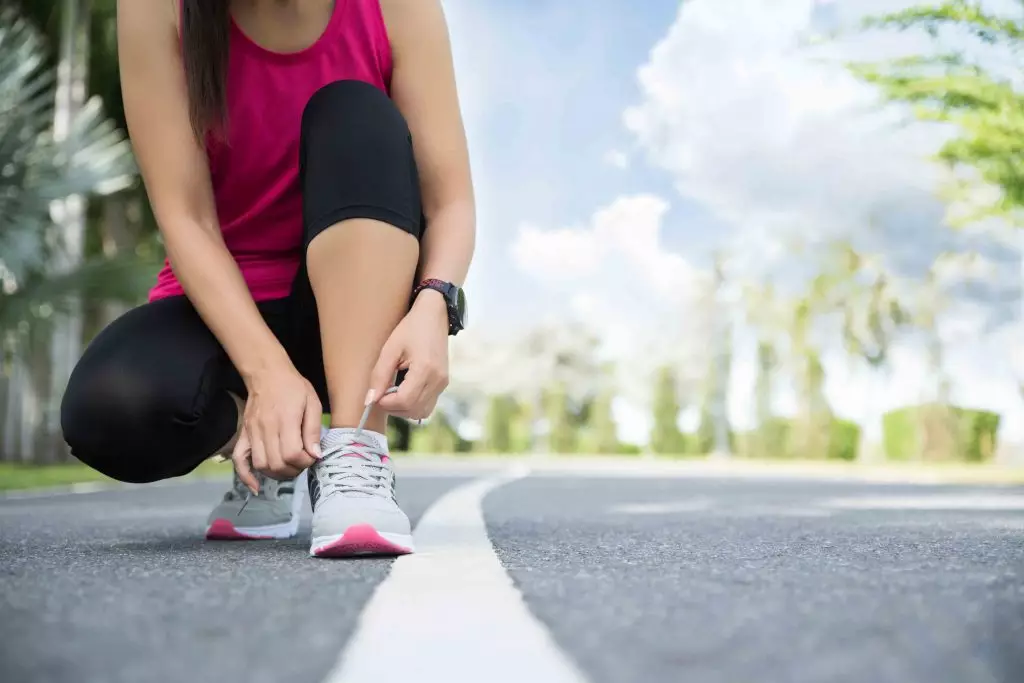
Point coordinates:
[[450, 613], [666, 508]]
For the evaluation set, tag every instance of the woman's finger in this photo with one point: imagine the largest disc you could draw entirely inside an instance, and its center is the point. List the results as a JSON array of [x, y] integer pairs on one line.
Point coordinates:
[[312, 420], [272, 446], [409, 392], [240, 458], [259, 451], [293, 450]]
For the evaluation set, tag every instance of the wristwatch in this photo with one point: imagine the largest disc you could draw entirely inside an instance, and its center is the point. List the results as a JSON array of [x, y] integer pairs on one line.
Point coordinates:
[[455, 300]]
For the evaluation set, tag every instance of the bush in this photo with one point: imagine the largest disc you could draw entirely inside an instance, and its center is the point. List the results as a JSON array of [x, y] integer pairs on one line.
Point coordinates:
[[784, 438], [844, 440], [435, 436], [940, 433]]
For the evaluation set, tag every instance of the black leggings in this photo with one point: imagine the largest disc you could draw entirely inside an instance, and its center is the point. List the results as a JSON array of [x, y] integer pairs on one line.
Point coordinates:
[[150, 397]]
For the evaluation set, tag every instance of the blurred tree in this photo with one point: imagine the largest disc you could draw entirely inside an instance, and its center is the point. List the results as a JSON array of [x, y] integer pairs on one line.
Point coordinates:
[[40, 169], [601, 429], [873, 311], [982, 103], [548, 363], [764, 389], [435, 436], [665, 435], [104, 80], [716, 401], [977, 92], [501, 413], [562, 432]]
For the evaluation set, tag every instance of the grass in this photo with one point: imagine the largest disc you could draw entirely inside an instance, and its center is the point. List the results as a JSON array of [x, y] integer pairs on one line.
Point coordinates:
[[14, 477], [20, 477]]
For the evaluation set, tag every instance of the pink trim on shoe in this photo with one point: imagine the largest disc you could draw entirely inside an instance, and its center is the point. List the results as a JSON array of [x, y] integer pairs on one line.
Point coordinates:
[[223, 530], [360, 539]]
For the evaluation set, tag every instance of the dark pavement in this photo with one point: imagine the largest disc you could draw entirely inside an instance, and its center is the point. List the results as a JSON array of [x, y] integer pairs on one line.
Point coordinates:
[[654, 580]]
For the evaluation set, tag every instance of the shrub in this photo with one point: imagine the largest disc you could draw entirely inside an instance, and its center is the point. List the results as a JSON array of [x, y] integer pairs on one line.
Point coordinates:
[[940, 433], [783, 438], [844, 440]]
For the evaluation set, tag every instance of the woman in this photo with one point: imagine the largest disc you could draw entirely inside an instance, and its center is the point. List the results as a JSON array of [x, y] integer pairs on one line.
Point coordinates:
[[294, 153]]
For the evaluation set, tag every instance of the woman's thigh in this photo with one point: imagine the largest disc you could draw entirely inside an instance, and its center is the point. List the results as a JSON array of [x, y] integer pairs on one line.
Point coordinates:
[[150, 397]]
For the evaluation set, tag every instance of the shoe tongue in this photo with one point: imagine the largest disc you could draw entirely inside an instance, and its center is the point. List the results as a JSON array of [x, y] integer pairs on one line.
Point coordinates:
[[340, 438]]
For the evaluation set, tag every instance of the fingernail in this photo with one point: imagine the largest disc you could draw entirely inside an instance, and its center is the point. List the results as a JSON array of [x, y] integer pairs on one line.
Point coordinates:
[[316, 452], [370, 396], [255, 490]]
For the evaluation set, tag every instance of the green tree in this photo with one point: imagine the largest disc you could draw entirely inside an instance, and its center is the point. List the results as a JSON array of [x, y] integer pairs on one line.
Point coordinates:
[[983, 105], [562, 436], [436, 436], [763, 391], [665, 435], [500, 423], [602, 436], [41, 168]]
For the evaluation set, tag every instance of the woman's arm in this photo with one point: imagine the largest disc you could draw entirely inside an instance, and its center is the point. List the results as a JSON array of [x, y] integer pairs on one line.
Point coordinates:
[[282, 412], [177, 178], [423, 88]]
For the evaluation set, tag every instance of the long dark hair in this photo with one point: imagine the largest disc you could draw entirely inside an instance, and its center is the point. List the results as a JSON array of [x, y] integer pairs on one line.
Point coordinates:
[[205, 37]]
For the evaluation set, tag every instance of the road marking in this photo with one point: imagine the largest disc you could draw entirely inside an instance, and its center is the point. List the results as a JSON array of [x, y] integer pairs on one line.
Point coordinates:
[[450, 612], [666, 508]]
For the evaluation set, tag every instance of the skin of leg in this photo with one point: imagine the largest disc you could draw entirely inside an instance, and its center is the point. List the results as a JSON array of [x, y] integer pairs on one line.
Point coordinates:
[[361, 271]]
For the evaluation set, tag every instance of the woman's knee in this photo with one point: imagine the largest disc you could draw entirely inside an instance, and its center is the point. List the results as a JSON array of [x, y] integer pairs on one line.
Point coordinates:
[[148, 399], [101, 411], [357, 160], [362, 108]]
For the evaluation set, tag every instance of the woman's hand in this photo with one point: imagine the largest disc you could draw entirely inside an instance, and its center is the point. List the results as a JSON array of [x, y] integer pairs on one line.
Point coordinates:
[[420, 345], [281, 431]]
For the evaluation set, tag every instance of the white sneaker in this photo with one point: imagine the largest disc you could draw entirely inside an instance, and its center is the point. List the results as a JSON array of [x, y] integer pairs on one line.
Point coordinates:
[[352, 490], [274, 513]]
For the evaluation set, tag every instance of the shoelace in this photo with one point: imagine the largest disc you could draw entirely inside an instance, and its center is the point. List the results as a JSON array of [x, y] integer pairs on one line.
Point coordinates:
[[354, 468], [338, 470], [365, 473]]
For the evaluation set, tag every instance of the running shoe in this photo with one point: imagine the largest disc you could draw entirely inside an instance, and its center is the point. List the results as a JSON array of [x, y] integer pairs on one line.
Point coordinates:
[[352, 491], [274, 513]]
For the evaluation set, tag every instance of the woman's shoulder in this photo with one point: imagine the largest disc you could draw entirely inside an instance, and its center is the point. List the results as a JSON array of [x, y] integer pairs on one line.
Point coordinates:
[[409, 19]]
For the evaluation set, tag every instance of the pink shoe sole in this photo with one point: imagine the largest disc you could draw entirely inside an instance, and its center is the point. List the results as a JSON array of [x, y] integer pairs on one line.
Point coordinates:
[[223, 530], [360, 539]]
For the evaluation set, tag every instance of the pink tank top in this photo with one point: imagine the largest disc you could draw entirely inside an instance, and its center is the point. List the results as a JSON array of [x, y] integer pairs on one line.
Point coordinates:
[[255, 173]]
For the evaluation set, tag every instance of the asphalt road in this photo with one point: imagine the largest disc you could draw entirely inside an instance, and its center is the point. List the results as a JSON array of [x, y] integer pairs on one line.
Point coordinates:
[[653, 579]]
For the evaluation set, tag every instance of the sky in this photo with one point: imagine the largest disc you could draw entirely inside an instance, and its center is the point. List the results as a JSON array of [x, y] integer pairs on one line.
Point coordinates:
[[617, 147]]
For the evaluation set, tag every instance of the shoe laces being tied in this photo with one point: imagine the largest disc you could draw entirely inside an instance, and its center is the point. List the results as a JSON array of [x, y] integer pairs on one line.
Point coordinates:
[[354, 466]]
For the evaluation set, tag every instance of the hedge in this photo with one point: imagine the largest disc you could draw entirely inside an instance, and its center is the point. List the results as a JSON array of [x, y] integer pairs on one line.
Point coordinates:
[[940, 433], [783, 438]]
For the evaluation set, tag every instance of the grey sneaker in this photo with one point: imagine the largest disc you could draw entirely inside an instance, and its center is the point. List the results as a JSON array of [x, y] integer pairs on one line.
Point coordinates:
[[352, 490], [274, 513]]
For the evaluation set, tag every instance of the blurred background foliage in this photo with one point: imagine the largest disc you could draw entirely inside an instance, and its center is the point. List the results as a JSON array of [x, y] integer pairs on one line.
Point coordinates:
[[546, 390]]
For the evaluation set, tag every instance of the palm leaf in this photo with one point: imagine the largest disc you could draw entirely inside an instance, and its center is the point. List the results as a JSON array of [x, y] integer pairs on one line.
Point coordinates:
[[36, 169]]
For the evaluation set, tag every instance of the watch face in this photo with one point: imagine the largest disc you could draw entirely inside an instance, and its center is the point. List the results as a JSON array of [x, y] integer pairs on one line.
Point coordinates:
[[460, 306]]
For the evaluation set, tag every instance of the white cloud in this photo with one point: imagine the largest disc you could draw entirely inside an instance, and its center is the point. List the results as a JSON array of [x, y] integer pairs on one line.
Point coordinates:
[[616, 158], [563, 254], [776, 137], [770, 136], [620, 246]]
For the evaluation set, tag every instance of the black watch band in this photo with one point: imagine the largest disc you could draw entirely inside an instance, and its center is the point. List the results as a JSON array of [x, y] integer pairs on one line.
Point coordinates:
[[455, 301]]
